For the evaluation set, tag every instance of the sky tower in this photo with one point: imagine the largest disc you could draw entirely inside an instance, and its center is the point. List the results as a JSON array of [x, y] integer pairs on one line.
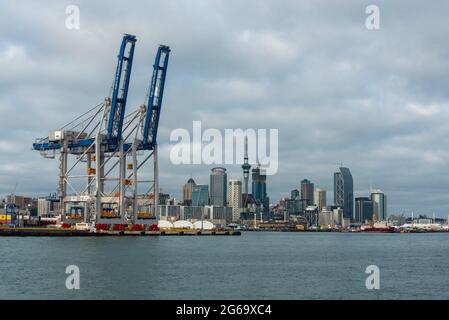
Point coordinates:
[[245, 166]]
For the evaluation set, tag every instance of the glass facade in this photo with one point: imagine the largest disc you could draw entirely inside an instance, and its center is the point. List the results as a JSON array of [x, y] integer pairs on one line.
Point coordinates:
[[363, 209], [379, 200], [259, 188], [344, 192], [200, 195], [307, 192], [218, 187]]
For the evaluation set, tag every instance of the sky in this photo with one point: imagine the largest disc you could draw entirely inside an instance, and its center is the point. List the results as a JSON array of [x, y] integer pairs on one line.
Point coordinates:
[[376, 101]]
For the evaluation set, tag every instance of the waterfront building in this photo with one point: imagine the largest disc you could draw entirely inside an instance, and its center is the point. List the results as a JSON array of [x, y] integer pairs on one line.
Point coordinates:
[[187, 192], [337, 215], [344, 192], [312, 216], [363, 209], [219, 215], [307, 190], [320, 198], [379, 200], [169, 213], [43, 207], [326, 219], [200, 195], [218, 186], [194, 213], [235, 198]]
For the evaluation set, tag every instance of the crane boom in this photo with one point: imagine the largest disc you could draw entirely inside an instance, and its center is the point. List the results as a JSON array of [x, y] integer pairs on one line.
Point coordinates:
[[120, 90], [114, 114], [154, 104]]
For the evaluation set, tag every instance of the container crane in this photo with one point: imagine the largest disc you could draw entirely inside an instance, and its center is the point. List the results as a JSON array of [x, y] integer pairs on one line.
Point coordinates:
[[95, 137], [146, 139], [101, 140]]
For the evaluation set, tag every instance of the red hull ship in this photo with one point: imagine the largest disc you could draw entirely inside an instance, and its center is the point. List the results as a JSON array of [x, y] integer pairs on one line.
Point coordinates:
[[379, 229]]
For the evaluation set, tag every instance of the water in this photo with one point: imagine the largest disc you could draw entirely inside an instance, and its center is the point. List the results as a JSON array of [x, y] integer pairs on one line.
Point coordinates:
[[256, 265]]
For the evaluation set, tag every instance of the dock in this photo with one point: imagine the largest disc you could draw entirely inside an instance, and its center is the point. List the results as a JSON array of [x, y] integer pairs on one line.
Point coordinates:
[[54, 232]]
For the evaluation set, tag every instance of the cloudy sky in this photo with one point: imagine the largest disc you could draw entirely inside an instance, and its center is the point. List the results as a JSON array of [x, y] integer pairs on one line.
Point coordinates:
[[376, 101]]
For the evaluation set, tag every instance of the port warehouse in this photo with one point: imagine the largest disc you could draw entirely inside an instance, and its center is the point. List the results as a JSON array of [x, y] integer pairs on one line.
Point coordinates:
[[218, 216]]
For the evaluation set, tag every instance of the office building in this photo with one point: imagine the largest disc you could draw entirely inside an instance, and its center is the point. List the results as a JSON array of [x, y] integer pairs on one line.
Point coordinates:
[[200, 195], [344, 192], [218, 187], [295, 194], [259, 188], [379, 200], [307, 190], [320, 199], [235, 198], [43, 207], [187, 192], [363, 209]]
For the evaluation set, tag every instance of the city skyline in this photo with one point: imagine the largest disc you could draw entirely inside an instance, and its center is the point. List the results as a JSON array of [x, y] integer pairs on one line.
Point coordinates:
[[263, 75]]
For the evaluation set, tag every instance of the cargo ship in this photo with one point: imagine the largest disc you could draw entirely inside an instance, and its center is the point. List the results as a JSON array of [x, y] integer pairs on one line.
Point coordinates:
[[385, 229]]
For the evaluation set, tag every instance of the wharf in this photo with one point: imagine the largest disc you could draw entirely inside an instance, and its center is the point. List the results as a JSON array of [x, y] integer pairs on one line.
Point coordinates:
[[54, 232]]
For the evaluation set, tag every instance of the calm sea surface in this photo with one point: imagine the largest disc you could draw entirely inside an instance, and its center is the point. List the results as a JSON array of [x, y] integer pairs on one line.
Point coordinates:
[[256, 265]]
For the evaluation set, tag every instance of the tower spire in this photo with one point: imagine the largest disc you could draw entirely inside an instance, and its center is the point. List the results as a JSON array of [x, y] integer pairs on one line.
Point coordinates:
[[245, 166]]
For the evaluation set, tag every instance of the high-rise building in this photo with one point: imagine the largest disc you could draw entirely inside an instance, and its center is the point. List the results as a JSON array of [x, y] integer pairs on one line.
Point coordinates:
[[259, 188], [200, 195], [187, 192], [164, 198], [307, 192], [235, 198], [295, 195], [43, 207], [245, 166], [363, 209], [218, 186], [379, 200], [320, 199], [344, 192]]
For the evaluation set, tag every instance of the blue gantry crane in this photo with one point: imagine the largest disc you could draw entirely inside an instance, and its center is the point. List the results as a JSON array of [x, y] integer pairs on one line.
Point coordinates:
[[154, 103], [101, 139], [114, 109]]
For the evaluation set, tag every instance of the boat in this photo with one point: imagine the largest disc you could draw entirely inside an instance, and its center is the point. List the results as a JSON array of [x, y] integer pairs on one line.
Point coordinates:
[[379, 229]]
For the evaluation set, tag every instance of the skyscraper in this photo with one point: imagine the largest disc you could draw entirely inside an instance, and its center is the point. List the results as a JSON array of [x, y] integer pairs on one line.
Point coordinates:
[[320, 198], [307, 192], [235, 198], [344, 192], [218, 186], [295, 195], [187, 192], [363, 209], [200, 195], [259, 187], [379, 200], [245, 166]]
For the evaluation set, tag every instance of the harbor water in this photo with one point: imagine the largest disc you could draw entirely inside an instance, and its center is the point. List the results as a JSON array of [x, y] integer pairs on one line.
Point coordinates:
[[256, 265]]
